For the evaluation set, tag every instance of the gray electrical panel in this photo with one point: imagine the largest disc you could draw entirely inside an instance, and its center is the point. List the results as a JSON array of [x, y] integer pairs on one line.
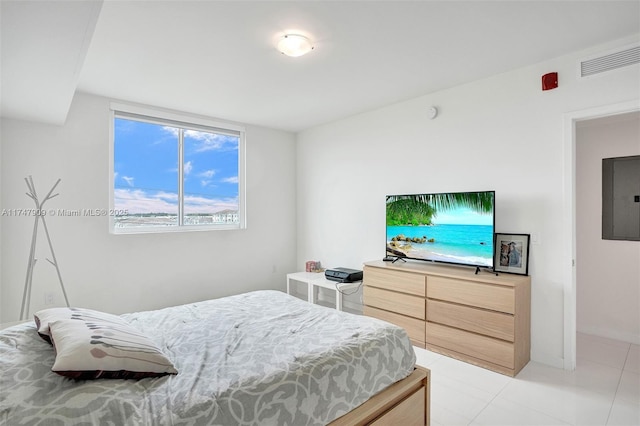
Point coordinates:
[[621, 198]]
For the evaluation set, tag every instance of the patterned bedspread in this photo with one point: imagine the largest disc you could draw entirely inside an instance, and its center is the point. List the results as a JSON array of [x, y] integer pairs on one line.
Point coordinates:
[[262, 358]]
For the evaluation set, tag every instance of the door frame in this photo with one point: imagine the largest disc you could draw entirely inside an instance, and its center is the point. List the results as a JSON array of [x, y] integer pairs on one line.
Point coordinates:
[[569, 196]]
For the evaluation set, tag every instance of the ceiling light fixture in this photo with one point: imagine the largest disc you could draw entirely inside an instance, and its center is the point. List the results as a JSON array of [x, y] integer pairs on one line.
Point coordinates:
[[294, 45]]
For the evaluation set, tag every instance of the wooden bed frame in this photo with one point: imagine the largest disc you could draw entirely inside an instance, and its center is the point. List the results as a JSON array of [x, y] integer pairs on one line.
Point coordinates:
[[404, 403]]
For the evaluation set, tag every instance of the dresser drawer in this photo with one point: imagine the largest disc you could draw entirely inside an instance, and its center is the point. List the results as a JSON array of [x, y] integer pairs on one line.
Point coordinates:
[[493, 297], [395, 280], [474, 345], [405, 304], [489, 323], [415, 328]]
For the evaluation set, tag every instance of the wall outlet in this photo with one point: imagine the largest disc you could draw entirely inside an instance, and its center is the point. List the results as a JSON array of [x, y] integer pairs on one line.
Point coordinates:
[[48, 299], [535, 238]]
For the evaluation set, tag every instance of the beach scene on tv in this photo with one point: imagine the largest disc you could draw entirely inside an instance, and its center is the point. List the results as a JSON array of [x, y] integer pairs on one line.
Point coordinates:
[[451, 227]]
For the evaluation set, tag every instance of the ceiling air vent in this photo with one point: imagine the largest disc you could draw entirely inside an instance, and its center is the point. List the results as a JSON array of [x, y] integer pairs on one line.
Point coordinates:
[[610, 62]]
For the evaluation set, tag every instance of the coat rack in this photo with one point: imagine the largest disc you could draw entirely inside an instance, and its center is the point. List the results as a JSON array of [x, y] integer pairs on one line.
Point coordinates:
[[39, 216]]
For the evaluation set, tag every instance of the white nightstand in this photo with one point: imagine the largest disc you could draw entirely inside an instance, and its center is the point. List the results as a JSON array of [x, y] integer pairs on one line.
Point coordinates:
[[317, 279]]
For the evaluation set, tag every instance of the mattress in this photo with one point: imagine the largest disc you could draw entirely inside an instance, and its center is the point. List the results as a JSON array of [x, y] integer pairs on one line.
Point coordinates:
[[260, 358]]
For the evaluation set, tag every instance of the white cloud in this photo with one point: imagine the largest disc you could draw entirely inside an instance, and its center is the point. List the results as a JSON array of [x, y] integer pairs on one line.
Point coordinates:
[[211, 141], [169, 196], [207, 174], [139, 201], [128, 179], [171, 130], [195, 204], [206, 141], [232, 179], [188, 166]]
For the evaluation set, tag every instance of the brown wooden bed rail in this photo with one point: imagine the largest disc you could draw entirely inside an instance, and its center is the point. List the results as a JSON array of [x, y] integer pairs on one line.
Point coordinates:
[[404, 403]]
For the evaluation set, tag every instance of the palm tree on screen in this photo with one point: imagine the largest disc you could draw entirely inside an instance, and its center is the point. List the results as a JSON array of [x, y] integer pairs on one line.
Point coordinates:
[[420, 209]]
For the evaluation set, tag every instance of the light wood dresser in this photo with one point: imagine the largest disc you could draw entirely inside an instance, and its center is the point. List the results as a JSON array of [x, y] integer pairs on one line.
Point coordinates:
[[482, 319]]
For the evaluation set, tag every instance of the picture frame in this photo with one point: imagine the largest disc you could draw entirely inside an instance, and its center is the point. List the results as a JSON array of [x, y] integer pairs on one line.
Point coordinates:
[[511, 253]]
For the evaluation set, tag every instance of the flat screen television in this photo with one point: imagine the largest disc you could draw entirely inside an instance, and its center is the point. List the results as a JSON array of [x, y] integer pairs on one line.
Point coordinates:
[[452, 227]]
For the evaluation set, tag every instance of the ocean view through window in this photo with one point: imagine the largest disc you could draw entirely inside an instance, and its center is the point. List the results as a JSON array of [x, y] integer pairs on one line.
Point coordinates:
[[170, 174]]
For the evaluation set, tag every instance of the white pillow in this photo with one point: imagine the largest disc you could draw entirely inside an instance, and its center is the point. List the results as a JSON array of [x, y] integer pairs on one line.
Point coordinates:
[[102, 349], [45, 316]]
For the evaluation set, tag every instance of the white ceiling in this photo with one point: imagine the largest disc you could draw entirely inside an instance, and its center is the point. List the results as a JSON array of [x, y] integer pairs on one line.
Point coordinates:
[[43, 46], [218, 58]]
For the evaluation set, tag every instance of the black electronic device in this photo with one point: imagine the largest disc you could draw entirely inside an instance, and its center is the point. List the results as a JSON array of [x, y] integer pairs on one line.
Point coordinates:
[[344, 275]]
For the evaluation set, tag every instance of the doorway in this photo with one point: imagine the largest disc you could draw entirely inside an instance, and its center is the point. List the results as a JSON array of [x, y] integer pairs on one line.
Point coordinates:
[[572, 121]]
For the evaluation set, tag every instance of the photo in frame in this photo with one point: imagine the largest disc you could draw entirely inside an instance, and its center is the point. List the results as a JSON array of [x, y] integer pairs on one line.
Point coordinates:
[[511, 253]]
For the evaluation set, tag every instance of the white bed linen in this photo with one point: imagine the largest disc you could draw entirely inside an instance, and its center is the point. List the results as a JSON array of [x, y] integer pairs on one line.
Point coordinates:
[[260, 358]]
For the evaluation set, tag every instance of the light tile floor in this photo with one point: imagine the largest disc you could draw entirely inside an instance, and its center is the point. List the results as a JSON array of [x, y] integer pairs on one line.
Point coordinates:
[[603, 390]]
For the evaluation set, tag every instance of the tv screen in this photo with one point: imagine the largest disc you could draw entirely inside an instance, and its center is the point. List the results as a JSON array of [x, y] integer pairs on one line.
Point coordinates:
[[452, 227]]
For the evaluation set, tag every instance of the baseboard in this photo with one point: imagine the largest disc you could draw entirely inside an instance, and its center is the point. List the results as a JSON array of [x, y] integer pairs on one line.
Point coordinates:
[[549, 360], [611, 334]]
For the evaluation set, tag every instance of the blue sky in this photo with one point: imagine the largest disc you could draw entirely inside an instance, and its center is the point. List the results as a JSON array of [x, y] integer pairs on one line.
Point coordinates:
[[146, 169], [461, 216]]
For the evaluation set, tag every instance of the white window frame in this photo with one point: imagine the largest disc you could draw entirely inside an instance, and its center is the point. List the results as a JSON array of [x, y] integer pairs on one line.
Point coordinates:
[[191, 122]]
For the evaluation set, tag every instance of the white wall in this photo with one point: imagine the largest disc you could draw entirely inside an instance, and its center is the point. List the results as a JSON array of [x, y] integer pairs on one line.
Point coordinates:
[[1, 224], [124, 273], [500, 133], [608, 272]]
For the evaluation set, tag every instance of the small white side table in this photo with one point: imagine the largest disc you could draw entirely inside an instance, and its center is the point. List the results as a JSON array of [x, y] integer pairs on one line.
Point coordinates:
[[317, 279]]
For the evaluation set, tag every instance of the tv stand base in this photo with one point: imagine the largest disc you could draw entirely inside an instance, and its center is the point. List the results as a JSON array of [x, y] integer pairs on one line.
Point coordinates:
[[393, 259], [478, 271]]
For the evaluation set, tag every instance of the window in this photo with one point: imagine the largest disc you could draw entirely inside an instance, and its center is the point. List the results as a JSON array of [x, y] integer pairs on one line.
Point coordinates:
[[174, 173]]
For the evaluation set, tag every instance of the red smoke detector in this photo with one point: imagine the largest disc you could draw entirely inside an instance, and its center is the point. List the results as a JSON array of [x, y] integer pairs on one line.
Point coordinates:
[[550, 81]]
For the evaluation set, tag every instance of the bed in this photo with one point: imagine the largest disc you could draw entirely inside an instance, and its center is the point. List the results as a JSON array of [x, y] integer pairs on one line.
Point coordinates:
[[259, 358]]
